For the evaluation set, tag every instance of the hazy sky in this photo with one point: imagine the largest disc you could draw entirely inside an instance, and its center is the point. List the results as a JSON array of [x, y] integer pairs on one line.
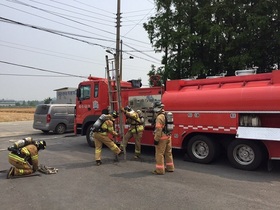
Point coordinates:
[[30, 59]]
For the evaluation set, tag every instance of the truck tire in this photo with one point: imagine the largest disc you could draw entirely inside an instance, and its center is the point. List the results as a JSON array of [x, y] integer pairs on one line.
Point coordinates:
[[89, 136], [202, 149], [60, 128], [245, 155]]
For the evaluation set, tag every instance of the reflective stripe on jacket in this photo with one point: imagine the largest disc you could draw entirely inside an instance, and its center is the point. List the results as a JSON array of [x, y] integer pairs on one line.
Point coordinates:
[[160, 123]]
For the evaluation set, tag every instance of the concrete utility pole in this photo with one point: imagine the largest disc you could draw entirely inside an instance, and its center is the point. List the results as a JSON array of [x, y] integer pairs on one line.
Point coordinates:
[[118, 77], [117, 62], [121, 56]]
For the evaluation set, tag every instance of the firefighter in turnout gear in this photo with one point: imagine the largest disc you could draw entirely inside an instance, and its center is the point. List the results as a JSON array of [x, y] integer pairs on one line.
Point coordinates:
[[162, 142], [101, 137], [24, 159], [136, 130]]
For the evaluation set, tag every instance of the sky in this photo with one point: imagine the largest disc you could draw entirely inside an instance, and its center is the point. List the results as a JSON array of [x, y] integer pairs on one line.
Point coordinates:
[[52, 44]]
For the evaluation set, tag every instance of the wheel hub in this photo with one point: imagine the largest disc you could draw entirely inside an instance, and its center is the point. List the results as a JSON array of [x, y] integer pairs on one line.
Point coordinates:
[[200, 150], [244, 155]]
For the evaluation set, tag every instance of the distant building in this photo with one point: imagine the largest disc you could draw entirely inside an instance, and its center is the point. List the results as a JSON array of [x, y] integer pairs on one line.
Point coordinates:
[[66, 95], [7, 102]]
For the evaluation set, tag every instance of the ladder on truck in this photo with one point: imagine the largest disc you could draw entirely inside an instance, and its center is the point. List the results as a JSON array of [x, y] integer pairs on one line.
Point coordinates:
[[115, 101]]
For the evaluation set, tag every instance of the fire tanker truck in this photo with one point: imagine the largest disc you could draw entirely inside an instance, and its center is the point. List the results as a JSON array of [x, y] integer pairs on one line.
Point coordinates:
[[238, 115]]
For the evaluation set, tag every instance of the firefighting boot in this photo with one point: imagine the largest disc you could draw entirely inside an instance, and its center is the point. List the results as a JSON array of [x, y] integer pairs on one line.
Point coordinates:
[[121, 153], [137, 157], [11, 172], [98, 162], [157, 173]]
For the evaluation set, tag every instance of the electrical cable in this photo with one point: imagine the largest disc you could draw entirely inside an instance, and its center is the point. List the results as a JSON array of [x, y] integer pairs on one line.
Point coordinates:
[[39, 69]]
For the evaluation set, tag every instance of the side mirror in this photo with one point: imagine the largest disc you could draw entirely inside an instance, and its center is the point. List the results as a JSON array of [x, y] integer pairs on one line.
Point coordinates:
[[78, 93]]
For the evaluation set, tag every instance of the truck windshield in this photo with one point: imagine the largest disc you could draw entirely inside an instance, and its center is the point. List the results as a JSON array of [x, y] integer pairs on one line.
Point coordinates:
[[85, 92]]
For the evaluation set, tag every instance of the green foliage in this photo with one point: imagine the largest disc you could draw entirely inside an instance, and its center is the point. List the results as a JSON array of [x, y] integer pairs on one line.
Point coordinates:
[[47, 100], [210, 36]]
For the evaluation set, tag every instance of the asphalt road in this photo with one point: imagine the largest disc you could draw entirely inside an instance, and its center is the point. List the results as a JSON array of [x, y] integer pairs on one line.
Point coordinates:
[[127, 184]]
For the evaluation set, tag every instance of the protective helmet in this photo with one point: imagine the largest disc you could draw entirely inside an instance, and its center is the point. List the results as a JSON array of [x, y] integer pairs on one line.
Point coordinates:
[[41, 144], [158, 106], [115, 114], [127, 108]]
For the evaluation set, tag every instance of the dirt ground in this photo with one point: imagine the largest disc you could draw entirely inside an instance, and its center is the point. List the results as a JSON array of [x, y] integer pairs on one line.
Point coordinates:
[[16, 114]]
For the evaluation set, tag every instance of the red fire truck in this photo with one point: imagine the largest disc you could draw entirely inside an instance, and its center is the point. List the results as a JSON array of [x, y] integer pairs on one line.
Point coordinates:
[[239, 115]]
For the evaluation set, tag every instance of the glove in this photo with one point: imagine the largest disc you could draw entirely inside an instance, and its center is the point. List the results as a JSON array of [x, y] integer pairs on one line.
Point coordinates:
[[155, 142], [10, 148]]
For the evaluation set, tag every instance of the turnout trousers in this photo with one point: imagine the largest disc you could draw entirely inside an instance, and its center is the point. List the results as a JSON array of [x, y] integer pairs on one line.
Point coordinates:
[[164, 152], [21, 167], [99, 140], [137, 137]]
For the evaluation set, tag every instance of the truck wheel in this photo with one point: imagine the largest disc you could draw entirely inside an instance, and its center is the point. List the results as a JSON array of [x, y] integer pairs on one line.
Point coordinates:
[[201, 149], [244, 154], [89, 135], [60, 128]]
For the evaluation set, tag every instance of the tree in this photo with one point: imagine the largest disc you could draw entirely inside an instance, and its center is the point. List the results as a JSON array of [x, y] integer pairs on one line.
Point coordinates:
[[214, 36], [47, 100]]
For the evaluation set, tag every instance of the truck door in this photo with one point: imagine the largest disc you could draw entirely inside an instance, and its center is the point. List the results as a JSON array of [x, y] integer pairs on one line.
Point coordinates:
[[83, 104], [89, 103]]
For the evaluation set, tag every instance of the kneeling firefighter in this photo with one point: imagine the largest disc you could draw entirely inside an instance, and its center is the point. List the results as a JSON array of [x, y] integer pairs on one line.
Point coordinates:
[[24, 156]]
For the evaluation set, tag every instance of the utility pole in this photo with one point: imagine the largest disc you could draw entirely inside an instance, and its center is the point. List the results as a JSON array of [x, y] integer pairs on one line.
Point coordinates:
[[121, 55], [118, 76], [117, 62]]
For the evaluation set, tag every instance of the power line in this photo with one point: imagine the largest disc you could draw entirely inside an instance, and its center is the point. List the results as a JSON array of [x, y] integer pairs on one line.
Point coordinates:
[[138, 22], [79, 8], [39, 69], [74, 59], [76, 27], [31, 75], [92, 6], [49, 30], [61, 34], [96, 18], [41, 49], [51, 12], [142, 52]]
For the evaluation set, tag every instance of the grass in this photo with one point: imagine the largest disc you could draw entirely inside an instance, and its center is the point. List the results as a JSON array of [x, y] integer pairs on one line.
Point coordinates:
[[12, 114]]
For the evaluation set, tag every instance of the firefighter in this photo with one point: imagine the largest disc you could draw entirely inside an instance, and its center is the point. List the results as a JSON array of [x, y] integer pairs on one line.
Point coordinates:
[[101, 137], [24, 159], [136, 130], [162, 142]]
